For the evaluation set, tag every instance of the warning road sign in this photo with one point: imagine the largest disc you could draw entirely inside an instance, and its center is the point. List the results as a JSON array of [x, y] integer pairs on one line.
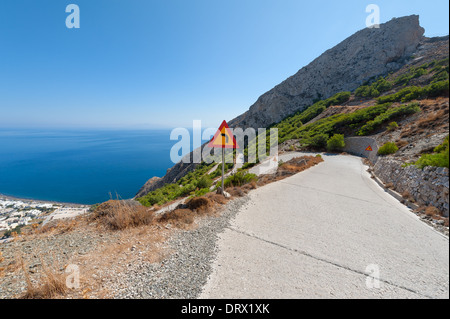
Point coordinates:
[[223, 138], [369, 148]]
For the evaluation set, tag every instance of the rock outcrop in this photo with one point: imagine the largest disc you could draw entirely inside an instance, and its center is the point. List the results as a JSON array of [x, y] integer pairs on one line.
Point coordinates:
[[367, 54]]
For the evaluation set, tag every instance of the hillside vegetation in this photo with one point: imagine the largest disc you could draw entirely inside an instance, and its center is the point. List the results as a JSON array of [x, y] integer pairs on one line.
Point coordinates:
[[366, 120]]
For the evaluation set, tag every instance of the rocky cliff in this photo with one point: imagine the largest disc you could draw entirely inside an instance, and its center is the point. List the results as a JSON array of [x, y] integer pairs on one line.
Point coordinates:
[[366, 54]]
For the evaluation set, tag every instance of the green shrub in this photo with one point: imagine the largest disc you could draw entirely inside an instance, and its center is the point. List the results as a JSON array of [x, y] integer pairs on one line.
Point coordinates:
[[440, 88], [374, 90], [239, 179], [248, 165], [388, 148], [218, 171], [392, 126], [17, 229], [193, 182], [440, 76], [440, 158], [311, 112], [382, 85], [201, 192], [386, 116], [318, 141], [204, 182], [437, 89], [363, 91], [336, 142], [413, 73], [338, 99]]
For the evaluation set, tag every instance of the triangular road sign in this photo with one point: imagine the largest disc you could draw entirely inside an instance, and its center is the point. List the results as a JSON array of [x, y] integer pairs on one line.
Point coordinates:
[[369, 148], [223, 138]]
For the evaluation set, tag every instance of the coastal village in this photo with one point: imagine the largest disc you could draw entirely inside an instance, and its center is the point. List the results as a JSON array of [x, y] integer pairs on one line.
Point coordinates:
[[18, 213]]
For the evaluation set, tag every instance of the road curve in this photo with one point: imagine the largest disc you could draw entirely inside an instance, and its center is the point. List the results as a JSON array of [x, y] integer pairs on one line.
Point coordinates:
[[319, 233]]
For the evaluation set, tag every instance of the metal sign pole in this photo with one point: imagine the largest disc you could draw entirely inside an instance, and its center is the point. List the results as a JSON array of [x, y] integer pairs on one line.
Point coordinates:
[[223, 170]]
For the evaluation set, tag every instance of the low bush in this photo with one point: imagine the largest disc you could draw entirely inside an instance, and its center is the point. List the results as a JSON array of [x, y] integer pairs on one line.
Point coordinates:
[[118, 215], [319, 141], [388, 115], [336, 143], [204, 182], [239, 179], [388, 148], [436, 89], [218, 171], [440, 157], [248, 165], [50, 284], [374, 90], [392, 126], [200, 204], [178, 217], [338, 99]]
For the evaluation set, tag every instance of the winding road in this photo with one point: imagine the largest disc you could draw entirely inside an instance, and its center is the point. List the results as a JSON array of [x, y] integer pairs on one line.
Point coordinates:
[[328, 232]]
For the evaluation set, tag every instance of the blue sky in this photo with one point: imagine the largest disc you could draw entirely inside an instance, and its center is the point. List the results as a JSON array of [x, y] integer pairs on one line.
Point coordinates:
[[163, 63]]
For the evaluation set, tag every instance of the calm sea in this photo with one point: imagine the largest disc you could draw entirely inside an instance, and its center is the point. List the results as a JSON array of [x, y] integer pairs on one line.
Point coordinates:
[[80, 166]]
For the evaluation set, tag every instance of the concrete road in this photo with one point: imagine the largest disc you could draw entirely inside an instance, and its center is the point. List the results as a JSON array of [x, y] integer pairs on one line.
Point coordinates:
[[327, 233]]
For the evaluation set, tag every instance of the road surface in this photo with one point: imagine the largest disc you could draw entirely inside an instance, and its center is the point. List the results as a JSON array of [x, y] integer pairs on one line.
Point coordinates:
[[320, 233]]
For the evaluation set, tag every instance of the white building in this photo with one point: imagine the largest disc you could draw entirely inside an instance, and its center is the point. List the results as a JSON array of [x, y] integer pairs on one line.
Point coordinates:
[[24, 220], [34, 213], [45, 206]]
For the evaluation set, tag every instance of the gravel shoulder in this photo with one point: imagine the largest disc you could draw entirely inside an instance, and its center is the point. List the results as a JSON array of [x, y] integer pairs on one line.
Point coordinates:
[[185, 271]]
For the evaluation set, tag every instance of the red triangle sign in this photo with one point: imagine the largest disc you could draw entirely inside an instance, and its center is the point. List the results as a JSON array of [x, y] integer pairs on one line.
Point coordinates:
[[223, 138], [369, 148]]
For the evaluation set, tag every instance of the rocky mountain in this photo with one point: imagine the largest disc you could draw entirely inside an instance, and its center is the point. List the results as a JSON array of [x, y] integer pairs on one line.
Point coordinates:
[[367, 54]]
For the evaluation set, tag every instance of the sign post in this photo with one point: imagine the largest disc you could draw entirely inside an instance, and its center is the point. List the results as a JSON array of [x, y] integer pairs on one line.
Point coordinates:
[[223, 139], [223, 169]]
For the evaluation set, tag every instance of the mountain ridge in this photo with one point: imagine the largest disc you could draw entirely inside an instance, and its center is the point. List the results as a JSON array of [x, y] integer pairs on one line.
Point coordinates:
[[367, 54]]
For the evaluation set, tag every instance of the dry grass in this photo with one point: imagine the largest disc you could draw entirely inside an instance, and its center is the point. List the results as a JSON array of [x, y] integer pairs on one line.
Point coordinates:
[[201, 205], [197, 206], [401, 143], [119, 215], [292, 167], [390, 185], [433, 118], [432, 212], [56, 227], [98, 268], [217, 198], [236, 191], [407, 195], [300, 164], [179, 217], [49, 285]]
